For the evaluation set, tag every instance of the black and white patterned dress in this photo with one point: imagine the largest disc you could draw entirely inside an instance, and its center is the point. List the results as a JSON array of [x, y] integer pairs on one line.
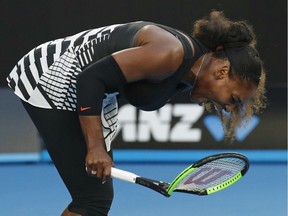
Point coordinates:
[[46, 76]]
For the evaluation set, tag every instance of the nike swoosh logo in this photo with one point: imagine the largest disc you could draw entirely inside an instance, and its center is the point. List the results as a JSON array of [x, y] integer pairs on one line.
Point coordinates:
[[84, 108]]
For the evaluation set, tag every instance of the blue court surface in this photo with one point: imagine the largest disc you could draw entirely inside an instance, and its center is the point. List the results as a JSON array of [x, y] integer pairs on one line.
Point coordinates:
[[35, 189]]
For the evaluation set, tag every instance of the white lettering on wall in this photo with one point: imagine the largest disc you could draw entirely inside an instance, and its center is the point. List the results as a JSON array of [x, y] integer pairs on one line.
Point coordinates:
[[141, 126]]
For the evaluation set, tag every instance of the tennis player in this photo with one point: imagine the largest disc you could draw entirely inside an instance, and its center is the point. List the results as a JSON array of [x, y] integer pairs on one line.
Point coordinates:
[[70, 86]]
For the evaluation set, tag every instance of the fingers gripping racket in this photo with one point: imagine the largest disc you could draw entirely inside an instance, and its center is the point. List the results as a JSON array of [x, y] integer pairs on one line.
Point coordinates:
[[206, 176]]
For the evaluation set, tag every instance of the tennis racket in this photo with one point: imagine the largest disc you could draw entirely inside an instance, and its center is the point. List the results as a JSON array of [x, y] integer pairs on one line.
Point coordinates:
[[206, 176]]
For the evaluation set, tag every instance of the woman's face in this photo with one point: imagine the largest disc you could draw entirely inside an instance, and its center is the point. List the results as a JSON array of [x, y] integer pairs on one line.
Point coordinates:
[[215, 86]]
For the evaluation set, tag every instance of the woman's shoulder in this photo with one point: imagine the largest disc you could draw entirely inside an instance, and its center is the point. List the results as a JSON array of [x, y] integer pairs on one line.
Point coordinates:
[[158, 38]]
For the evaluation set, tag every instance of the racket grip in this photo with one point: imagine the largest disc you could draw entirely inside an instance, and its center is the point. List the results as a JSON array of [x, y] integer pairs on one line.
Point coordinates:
[[123, 175]]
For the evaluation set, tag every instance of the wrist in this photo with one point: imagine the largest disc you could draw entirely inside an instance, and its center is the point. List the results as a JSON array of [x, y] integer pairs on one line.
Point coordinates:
[[96, 147]]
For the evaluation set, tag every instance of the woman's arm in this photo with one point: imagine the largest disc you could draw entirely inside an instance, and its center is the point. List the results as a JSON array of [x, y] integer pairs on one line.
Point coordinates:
[[97, 158], [156, 55]]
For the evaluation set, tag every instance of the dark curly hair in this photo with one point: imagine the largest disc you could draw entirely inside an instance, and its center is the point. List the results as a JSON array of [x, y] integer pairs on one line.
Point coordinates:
[[237, 43]]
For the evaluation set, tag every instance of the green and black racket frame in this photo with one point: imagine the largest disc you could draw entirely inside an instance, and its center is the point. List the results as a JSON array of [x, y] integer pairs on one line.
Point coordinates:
[[206, 176]]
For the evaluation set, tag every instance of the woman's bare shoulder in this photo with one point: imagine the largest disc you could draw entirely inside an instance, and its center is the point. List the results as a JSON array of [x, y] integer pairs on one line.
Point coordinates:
[[156, 54]]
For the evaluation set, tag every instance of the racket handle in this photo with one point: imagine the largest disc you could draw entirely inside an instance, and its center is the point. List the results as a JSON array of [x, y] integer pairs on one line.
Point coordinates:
[[123, 175]]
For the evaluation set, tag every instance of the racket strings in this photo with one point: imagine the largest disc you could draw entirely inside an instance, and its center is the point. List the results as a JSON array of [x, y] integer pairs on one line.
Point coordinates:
[[211, 174]]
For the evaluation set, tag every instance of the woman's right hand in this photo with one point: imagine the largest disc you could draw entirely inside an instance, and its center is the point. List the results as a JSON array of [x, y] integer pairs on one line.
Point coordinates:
[[99, 163]]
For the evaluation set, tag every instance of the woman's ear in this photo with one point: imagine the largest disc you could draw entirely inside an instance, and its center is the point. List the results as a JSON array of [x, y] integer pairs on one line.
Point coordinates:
[[223, 69]]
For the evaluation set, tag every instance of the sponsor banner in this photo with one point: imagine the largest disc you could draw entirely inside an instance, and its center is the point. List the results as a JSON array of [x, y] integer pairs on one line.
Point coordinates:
[[181, 125]]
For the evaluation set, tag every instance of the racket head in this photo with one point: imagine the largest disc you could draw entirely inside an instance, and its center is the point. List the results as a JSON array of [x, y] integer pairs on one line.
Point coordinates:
[[211, 174]]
